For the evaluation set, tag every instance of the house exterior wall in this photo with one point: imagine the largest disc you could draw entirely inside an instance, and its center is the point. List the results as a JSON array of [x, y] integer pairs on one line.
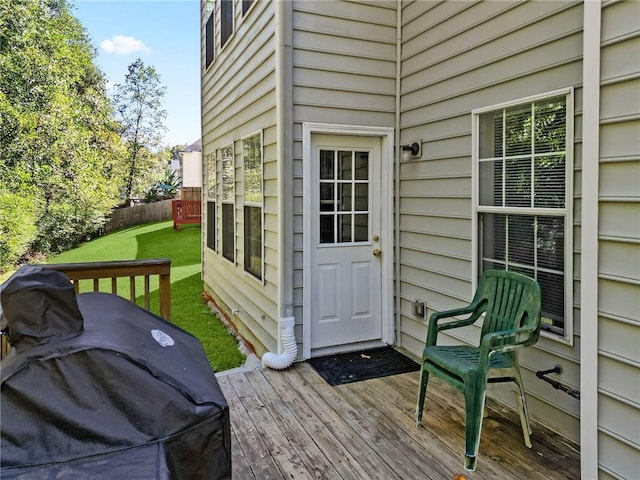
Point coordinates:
[[192, 169], [454, 57], [343, 73], [619, 242], [239, 100], [457, 57]]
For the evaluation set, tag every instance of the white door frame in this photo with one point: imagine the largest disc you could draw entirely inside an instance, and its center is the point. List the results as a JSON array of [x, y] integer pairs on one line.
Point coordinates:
[[386, 135]]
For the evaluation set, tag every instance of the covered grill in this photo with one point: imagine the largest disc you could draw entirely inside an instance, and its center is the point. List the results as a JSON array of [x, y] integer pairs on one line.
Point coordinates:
[[98, 388]]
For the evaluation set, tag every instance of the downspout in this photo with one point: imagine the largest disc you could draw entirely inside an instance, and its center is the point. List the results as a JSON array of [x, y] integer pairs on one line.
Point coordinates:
[[287, 345], [589, 241], [396, 173]]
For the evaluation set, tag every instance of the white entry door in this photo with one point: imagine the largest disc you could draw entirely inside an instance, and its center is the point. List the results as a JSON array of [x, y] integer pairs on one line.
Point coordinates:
[[345, 234]]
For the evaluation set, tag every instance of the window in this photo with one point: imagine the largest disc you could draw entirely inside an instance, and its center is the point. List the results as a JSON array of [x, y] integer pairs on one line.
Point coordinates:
[[252, 154], [226, 21], [228, 204], [209, 41], [522, 198], [211, 202], [246, 5], [344, 196]]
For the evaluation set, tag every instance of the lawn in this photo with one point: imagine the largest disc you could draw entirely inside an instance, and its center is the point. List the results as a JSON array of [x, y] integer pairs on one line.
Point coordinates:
[[188, 310]]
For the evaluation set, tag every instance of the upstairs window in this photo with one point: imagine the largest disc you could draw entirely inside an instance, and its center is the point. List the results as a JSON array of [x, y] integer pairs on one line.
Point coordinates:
[[209, 41], [228, 204], [522, 170], [226, 21], [252, 156]]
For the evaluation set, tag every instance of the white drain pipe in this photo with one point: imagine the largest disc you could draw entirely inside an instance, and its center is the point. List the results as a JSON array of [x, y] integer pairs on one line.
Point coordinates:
[[289, 347]]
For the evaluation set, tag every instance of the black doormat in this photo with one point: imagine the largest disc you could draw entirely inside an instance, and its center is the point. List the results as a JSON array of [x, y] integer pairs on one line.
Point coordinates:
[[363, 365]]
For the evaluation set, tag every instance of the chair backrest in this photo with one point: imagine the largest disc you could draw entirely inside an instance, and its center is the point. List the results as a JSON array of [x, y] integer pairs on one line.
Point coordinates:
[[511, 300]]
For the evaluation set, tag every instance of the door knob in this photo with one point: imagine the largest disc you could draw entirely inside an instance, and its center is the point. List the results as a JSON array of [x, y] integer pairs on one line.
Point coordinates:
[[377, 252]]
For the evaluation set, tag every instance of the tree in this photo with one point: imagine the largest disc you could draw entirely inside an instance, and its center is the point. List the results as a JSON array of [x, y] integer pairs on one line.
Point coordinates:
[[138, 104], [60, 150]]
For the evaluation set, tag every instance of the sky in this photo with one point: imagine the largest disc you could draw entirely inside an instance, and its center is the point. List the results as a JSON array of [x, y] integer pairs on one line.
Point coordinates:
[[164, 34]]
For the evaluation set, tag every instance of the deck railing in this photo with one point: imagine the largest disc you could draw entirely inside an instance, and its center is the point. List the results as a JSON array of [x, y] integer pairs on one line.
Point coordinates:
[[186, 211], [133, 269]]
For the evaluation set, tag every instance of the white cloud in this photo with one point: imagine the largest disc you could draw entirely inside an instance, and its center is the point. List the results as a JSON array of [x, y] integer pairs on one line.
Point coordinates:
[[124, 45]]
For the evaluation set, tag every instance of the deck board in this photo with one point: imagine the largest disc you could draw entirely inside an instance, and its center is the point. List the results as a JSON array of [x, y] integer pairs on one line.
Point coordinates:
[[292, 424]]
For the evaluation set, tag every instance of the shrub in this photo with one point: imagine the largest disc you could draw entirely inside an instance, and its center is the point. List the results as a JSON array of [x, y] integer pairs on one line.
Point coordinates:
[[17, 226]]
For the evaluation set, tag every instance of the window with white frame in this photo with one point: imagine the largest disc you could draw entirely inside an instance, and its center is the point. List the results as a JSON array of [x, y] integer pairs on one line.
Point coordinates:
[[226, 21], [228, 204], [211, 201], [209, 41], [522, 169], [246, 5], [252, 156]]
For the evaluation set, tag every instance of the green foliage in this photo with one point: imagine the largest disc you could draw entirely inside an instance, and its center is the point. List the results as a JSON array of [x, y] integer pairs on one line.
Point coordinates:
[[165, 189], [59, 143], [138, 105], [17, 226]]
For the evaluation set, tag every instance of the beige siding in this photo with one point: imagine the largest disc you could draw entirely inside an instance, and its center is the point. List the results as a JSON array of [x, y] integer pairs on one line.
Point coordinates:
[[619, 243], [343, 72], [239, 100], [456, 57]]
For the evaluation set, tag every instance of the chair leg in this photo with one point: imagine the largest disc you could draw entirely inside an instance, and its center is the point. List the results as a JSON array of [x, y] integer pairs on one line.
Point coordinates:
[[422, 390], [522, 408], [474, 398]]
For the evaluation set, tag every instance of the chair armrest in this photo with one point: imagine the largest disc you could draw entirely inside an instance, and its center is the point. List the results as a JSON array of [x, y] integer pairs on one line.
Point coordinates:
[[503, 341], [434, 321], [506, 340]]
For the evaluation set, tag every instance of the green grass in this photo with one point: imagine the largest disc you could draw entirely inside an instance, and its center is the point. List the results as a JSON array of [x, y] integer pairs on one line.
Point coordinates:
[[188, 310]]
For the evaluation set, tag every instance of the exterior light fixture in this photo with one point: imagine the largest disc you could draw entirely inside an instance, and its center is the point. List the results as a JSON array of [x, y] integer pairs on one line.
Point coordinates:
[[409, 151]]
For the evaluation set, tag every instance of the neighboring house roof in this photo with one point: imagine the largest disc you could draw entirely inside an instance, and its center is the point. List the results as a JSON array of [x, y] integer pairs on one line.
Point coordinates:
[[194, 147]]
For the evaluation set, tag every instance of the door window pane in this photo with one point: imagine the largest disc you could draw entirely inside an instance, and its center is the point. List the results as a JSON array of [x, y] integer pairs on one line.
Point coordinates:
[[361, 197], [327, 229], [345, 197], [344, 190], [361, 228], [345, 165], [361, 166], [326, 165], [344, 228], [326, 197]]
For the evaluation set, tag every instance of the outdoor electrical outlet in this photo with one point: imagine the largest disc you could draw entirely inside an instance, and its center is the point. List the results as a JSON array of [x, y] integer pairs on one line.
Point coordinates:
[[419, 308]]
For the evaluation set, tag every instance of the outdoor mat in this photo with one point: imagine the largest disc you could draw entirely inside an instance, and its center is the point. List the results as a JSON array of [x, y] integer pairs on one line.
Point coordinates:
[[363, 365]]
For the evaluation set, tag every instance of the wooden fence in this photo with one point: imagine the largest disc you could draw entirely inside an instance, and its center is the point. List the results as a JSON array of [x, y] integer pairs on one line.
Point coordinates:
[[191, 193], [137, 215]]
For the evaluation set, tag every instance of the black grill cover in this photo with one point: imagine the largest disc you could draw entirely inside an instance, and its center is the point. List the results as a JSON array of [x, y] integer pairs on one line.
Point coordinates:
[[98, 388]]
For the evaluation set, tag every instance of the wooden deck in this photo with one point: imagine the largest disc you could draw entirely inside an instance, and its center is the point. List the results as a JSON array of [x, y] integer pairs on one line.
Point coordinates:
[[293, 425]]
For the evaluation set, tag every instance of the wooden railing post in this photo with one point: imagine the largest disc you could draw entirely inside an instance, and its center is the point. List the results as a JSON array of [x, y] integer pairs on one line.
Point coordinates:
[[165, 295]]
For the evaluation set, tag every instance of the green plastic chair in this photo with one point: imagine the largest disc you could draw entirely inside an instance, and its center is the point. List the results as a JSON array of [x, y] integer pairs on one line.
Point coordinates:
[[510, 303]]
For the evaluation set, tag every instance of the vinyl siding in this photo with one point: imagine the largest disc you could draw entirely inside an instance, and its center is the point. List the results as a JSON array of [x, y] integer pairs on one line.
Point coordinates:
[[239, 100], [619, 243], [343, 72], [456, 57]]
